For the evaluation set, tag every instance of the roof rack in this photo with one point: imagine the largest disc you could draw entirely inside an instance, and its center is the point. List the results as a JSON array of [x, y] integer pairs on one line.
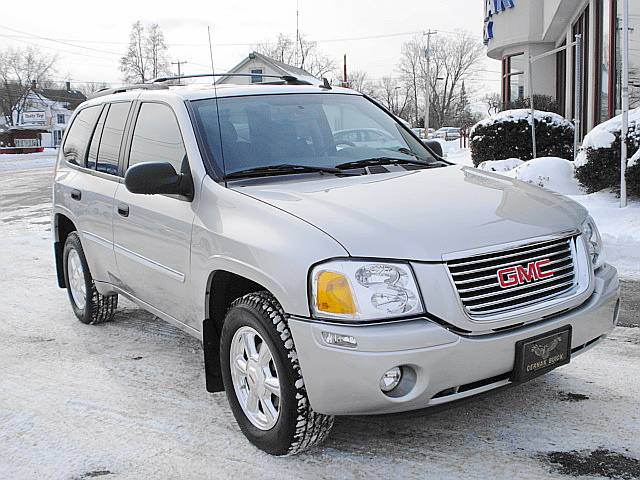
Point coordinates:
[[288, 79], [126, 88], [158, 83]]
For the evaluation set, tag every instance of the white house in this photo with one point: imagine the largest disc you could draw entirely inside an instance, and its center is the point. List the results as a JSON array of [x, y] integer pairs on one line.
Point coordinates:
[[257, 65], [517, 29], [44, 118]]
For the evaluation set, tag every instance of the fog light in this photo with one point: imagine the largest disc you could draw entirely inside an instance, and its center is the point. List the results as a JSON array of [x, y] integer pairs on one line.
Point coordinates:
[[339, 340], [390, 379]]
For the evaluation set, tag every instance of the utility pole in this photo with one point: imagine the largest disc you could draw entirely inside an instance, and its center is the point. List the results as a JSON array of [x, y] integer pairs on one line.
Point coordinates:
[[625, 102], [179, 64], [427, 88], [345, 78], [297, 32]]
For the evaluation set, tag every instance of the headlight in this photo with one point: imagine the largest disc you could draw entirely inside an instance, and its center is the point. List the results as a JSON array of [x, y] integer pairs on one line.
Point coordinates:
[[357, 290], [594, 242]]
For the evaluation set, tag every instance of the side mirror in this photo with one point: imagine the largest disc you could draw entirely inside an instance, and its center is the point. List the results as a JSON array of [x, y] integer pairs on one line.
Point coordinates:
[[435, 146], [157, 178]]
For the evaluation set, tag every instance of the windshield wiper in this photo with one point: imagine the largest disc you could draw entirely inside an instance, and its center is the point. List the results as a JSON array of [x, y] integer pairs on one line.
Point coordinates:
[[284, 169], [367, 162]]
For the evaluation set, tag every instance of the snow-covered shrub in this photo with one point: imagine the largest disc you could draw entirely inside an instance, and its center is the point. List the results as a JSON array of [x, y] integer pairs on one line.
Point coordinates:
[[544, 103], [598, 165], [508, 134]]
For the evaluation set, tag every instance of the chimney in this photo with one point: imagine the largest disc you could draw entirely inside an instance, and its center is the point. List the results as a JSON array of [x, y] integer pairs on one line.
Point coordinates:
[[68, 84], [33, 85]]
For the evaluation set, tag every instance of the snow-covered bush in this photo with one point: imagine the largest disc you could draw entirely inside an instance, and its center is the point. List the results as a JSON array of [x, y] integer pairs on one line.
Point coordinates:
[[598, 165], [508, 134], [553, 173]]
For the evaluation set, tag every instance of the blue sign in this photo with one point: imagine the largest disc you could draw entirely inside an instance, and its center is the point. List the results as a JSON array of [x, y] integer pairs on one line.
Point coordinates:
[[492, 7]]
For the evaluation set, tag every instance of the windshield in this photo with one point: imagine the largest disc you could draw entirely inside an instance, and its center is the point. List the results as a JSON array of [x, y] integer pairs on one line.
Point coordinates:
[[312, 130]]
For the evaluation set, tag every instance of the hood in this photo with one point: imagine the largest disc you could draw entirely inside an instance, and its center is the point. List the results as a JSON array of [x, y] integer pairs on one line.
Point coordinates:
[[421, 214]]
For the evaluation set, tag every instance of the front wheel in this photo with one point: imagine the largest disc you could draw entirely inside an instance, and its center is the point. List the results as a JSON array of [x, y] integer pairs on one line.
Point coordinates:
[[88, 304], [262, 378]]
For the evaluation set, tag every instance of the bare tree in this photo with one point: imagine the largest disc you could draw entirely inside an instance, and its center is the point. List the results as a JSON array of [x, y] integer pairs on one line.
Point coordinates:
[[393, 94], [146, 56], [156, 51], [453, 59], [18, 69], [412, 70], [302, 54], [493, 102], [88, 88]]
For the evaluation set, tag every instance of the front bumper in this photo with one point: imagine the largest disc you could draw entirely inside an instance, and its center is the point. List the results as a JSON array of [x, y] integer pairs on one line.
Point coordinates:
[[447, 366]]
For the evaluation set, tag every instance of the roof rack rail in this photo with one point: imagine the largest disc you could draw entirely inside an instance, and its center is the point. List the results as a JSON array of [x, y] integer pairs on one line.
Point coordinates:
[[126, 88], [288, 79]]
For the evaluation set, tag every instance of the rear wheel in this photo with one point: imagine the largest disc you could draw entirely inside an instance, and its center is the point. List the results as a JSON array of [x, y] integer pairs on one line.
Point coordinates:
[[262, 378], [89, 306]]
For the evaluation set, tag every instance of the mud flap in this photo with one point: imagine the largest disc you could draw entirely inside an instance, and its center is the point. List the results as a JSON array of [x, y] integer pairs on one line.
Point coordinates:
[[211, 347], [57, 253]]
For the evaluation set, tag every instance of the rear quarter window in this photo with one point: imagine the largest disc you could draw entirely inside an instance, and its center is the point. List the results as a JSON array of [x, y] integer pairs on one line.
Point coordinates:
[[77, 141], [109, 150]]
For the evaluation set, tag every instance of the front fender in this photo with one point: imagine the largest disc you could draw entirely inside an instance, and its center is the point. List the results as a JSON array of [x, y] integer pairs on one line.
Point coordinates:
[[247, 237]]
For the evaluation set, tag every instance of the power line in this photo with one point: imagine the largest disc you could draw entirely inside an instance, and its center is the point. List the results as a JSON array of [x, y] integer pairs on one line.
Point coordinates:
[[59, 41]]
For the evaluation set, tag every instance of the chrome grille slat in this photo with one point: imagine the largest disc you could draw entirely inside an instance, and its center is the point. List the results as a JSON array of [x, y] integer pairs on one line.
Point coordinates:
[[566, 252], [520, 305], [522, 295], [501, 290], [476, 279], [510, 255]]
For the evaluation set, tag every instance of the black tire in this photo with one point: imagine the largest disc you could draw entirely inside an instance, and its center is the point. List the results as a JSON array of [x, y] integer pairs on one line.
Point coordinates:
[[298, 427], [97, 308]]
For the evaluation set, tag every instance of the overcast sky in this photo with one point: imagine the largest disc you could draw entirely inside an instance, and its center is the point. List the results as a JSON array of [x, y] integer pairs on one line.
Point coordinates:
[[94, 35]]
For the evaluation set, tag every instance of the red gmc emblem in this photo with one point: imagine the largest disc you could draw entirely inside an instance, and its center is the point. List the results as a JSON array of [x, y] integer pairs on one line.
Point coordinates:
[[519, 274]]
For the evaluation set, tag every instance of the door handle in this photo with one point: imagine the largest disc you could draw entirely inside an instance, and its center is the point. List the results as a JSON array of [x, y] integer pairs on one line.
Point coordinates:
[[123, 209], [76, 194]]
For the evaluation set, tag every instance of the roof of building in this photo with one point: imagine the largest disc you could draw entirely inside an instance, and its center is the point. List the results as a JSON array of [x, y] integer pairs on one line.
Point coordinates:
[[72, 97], [281, 67]]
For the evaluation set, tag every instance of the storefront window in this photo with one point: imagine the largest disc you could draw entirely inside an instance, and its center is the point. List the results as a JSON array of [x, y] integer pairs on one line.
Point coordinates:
[[513, 67], [603, 79], [634, 55], [581, 27]]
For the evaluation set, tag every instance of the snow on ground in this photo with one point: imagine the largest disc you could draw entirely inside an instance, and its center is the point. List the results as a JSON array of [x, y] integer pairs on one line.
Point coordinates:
[[26, 161], [554, 173], [126, 400], [620, 230]]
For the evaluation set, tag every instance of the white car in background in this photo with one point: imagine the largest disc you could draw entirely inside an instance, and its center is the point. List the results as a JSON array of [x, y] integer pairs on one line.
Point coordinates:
[[448, 133]]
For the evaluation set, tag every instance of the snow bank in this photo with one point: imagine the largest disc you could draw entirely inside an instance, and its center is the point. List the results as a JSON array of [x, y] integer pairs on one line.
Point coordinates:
[[602, 136], [26, 161], [520, 114], [620, 230], [501, 165], [553, 173]]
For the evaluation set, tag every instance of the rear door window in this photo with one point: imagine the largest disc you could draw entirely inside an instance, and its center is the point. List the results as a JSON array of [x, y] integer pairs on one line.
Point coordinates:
[[109, 150], [95, 140], [157, 137], [77, 141]]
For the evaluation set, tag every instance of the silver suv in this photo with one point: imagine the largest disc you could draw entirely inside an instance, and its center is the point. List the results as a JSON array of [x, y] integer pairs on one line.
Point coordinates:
[[325, 277]]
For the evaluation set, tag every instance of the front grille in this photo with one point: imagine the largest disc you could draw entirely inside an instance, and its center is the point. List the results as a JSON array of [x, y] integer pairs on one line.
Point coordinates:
[[476, 278]]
